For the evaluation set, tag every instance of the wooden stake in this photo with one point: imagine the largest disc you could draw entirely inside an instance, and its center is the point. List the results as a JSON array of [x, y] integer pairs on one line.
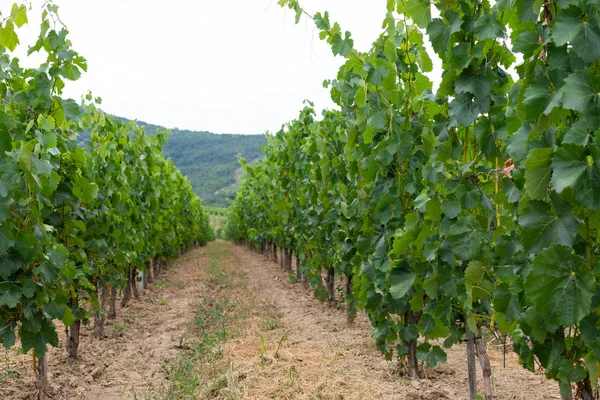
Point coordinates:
[[471, 367]]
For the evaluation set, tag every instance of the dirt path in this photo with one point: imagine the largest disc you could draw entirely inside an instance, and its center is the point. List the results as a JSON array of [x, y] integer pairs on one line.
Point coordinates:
[[127, 362], [223, 322], [331, 360]]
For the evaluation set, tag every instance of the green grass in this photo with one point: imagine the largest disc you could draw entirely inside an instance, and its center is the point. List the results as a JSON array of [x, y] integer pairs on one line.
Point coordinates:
[[160, 284], [119, 327], [7, 373]]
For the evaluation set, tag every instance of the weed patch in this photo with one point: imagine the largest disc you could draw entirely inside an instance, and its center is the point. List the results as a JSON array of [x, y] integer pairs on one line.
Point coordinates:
[[201, 370]]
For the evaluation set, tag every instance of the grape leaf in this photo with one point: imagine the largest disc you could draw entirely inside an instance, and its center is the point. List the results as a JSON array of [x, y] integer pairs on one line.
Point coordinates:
[[439, 32], [466, 239], [85, 190], [6, 239], [577, 134], [418, 10], [38, 336], [7, 336], [581, 93], [477, 85], [10, 263], [541, 227], [560, 286], [527, 43], [541, 98], [474, 272], [464, 109], [19, 14], [505, 301], [8, 36], [432, 355], [401, 280], [11, 296], [488, 27], [538, 172], [572, 27], [575, 168]]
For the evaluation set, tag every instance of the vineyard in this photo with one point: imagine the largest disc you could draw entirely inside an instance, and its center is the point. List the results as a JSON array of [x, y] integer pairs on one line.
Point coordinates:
[[451, 212], [217, 217], [435, 216], [80, 223]]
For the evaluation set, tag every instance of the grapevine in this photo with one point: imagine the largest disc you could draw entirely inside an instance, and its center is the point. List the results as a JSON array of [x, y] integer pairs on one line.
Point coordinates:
[[474, 206], [78, 217]]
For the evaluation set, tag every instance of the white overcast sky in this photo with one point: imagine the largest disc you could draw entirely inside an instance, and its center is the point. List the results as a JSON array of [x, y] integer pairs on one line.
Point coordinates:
[[235, 66]]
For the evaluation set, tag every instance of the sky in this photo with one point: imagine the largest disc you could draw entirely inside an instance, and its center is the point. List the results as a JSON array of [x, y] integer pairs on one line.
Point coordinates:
[[235, 66]]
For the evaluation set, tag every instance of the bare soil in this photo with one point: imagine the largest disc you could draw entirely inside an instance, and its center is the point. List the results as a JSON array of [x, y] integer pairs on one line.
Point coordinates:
[[322, 357], [285, 344]]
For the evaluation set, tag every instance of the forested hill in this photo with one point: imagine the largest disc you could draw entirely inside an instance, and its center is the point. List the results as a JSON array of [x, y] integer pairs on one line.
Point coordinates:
[[210, 160]]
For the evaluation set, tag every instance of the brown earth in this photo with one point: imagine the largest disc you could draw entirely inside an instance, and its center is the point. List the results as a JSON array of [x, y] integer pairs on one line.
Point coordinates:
[[283, 344]]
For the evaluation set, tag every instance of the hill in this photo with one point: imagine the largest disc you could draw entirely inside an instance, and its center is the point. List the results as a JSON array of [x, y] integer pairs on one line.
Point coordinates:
[[210, 161]]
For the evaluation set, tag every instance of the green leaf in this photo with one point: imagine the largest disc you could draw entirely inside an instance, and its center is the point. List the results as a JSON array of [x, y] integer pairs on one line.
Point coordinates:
[[538, 328], [461, 56], [9, 264], [391, 5], [68, 318], [8, 36], [527, 43], [377, 74], [418, 10], [478, 85], [430, 285], [342, 46], [591, 363], [506, 302], [55, 310], [85, 190], [391, 51], [426, 324], [37, 337], [6, 241], [5, 203], [7, 336], [465, 108], [401, 281], [560, 286], [488, 27], [46, 123], [474, 272], [511, 191], [577, 134], [360, 98], [517, 144], [58, 256], [573, 26], [541, 227], [432, 355], [575, 168], [451, 207], [466, 238], [11, 296], [439, 32], [541, 98], [538, 173], [581, 92], [377, 120], [19, 14], [29, 288], [368, 135]]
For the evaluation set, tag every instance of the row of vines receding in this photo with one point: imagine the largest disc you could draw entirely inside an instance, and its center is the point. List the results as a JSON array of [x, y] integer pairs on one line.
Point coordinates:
[[472, 206], [86, 200]]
